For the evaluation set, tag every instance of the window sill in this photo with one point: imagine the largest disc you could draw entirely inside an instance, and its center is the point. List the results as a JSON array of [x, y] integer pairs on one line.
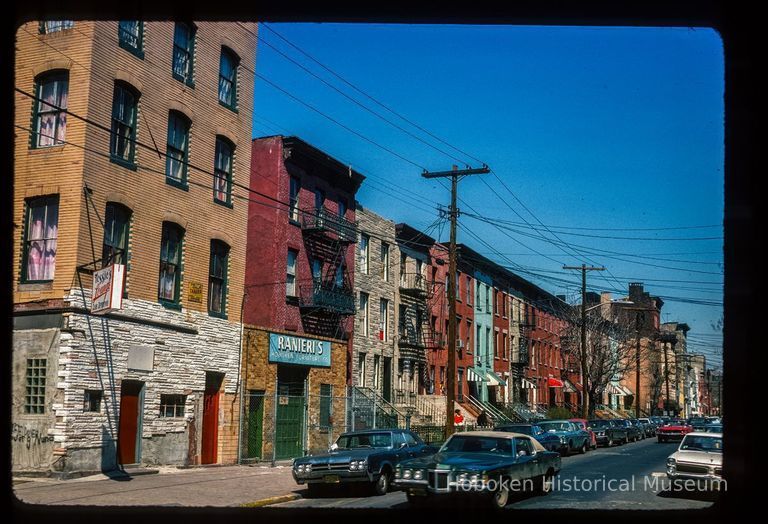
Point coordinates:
[[138, 53], [177, 183], [294, 222], [223, 203], [122, 162], [214, 314], [230, 107], [54, 147], [176, 306], [292, 300], [35, 285]]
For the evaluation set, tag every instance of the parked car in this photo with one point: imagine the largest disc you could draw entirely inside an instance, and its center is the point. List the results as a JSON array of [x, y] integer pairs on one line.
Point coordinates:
[[361, 456], [640, 427], [584, 425], [699, 457], [487, 464], [697, 423], [648, 426], [608, 432], [572, 437], [657, 422], [633, 432], [675, 429], [713, 428], [550, 441]]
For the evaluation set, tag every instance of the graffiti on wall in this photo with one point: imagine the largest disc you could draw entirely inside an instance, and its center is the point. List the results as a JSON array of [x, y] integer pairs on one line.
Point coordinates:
[[29, 437]]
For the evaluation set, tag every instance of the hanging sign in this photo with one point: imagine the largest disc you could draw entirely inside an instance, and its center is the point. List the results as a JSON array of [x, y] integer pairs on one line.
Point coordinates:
[[107, 289]]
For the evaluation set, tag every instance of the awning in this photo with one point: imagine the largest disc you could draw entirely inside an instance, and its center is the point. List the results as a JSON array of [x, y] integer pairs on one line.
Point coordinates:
[[527, 384], [554, 382], [495, 380], [625, 390], [568, 387], [474, 376]]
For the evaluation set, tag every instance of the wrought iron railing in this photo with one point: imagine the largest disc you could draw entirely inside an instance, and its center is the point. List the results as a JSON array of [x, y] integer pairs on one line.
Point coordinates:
[[329, 222], [327, 296], [414, 283]]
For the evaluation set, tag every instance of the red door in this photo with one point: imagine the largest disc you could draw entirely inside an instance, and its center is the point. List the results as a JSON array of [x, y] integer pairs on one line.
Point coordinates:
[[128, 429], [210, 420]]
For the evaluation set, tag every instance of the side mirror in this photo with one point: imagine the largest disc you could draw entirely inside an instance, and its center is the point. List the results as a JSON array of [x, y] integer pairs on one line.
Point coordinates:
[[521, 453], [402, 445], [333, 447]]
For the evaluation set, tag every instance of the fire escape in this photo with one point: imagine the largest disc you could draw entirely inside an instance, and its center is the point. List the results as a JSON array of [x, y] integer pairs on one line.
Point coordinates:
[[329, 299]]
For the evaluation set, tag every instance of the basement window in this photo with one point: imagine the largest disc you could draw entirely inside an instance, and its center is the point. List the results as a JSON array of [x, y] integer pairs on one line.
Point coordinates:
[[172, 405], [92, 400]]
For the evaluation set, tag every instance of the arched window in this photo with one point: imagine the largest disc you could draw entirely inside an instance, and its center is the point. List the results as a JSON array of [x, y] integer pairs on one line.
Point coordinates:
[[170, 264], [183, 52], [177, 150], [50, 121], [222, 181], [228, 78], [125, 104], [217, 278]]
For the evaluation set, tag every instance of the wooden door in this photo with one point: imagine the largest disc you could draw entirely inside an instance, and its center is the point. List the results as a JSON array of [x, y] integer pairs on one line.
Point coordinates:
[[210, 439], [129, 426]]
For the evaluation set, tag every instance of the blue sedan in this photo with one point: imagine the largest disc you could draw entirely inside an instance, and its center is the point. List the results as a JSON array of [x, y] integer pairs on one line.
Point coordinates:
[[548, 440], [572, 437]]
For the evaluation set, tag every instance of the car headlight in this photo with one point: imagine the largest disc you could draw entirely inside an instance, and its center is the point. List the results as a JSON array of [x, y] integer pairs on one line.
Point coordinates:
[[300, 468], [398, 473], [563, 440], [461, 477], [671, 462], [407, 473], [418, 474], [358, 465]]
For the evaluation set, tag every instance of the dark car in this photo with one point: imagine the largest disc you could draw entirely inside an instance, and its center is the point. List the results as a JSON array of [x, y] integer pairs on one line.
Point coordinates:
[[648, 426], [640, 427], [361, 456], [697, 423], [608, 432], [675, 429], [548, 440], [713, 428], [572, 437], [486, 464], [633, 432], [584, 425]]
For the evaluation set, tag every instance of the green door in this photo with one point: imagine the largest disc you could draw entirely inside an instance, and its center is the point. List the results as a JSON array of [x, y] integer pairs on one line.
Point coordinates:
[[290, 427], [255, 423]]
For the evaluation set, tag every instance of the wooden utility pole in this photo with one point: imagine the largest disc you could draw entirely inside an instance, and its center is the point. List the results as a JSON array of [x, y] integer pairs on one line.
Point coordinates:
[[583, 350], [450, 394]]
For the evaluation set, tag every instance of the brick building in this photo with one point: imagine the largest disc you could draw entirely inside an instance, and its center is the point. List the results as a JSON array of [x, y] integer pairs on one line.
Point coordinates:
[[97, 184], [299, 296]]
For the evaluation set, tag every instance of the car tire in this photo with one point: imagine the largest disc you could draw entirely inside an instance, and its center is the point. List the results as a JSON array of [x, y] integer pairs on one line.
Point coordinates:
[[381, 485], [610, 442], [499, 498], [545, 483], [583, 448]]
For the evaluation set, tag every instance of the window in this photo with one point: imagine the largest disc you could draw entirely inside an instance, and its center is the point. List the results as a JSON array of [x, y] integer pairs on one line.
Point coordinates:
[[170, 263], [177, 150], [116, 223], [495, 302], [468, 333], [385, 261], [431, 380], [342, 208], [383, 319], [293, 210], [183, 53], [469, 291], [217, 278], [524, 445], [131, 36], [364, 312], [364, 241], [123, 136], [496, 345], [41, 233], [172, 405], [222, 169], [326, 405], [361, 369], [458, 281], [376, 366], [339, 280], [34, 400], [50, 119], [92, 400], [290, 280], [488, 342], [410, 439], [228, 78], [54, 26], [319, 200], [505, 346], [317, 271]]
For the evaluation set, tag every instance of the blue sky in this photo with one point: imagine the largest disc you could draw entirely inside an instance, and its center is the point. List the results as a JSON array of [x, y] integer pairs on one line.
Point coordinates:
[[611, 130]]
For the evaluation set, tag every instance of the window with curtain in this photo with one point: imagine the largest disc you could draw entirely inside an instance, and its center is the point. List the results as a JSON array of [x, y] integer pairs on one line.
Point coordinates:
[[290, 280], [222, 181], [170, 263], [364, 258], [54, 26], [50, 109], [228, 78], [177, 149], [131, 36], [183, 48], [385, 261], [123, 136], [217, 278], [294, 199], [41, 234], [117, 220]]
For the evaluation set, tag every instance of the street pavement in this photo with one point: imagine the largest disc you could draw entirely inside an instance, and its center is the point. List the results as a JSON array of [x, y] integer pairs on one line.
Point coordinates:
[[622, 477]]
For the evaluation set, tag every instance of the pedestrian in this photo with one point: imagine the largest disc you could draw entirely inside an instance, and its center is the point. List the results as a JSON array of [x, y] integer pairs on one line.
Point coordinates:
[[458, 418], [482, 418]]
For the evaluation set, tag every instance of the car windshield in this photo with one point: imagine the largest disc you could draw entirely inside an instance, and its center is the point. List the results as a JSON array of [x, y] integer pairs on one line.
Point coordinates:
[[599, 423], [478, 444], [702, 443], [555, 426], [365, 440], [525, 430]]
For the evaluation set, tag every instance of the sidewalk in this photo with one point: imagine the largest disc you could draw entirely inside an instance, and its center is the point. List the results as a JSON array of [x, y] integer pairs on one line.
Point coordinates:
[[221, 486]]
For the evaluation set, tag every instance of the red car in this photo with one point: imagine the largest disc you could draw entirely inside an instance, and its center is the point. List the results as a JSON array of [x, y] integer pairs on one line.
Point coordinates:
[[582, 423], [675, 429]]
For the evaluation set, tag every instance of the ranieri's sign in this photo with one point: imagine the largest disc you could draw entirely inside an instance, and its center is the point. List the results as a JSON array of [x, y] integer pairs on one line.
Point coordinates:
[[288, 349], [107, 289]]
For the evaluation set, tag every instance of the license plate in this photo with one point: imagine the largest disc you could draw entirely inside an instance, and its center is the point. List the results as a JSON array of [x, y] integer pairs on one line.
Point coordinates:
[[331, 479]]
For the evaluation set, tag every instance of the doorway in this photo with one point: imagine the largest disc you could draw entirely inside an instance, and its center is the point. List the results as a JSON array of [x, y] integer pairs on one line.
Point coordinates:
[[255, 423], [129, 425], [289, 419], [386, 386], [210, 441]]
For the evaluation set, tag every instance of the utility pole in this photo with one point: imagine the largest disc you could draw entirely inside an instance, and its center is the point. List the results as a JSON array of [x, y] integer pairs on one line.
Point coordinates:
[[450, 394], [583, 352]]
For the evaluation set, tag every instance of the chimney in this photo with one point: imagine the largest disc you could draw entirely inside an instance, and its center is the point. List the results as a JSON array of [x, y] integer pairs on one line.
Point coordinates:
[[635, 289], [605, 297]]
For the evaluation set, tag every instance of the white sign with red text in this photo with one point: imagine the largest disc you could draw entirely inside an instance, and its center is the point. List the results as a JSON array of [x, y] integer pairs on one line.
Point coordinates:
[[107, 289]]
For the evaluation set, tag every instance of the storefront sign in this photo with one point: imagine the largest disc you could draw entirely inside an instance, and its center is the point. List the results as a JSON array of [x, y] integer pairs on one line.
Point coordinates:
[[288, 349], [107, 289]]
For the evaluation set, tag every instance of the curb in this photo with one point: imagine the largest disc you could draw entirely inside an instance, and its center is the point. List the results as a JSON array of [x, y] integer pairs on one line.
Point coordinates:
[[271, 500]]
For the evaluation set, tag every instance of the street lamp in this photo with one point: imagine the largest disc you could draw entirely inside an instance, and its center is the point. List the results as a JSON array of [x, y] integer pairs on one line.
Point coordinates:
[[583, 352]]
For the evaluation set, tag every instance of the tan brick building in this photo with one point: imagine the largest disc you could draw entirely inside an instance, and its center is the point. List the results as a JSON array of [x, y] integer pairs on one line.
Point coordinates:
[[130, 140]]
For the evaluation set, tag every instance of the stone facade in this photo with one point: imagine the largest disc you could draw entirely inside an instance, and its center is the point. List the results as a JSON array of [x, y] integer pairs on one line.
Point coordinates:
[[376, 342]]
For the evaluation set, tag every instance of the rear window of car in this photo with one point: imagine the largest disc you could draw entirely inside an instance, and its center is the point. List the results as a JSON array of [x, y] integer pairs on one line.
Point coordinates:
[[472, 443], [365, 440]]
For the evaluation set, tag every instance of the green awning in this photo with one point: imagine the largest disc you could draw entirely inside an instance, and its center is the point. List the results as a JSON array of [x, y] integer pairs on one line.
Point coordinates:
[[494, 379]]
